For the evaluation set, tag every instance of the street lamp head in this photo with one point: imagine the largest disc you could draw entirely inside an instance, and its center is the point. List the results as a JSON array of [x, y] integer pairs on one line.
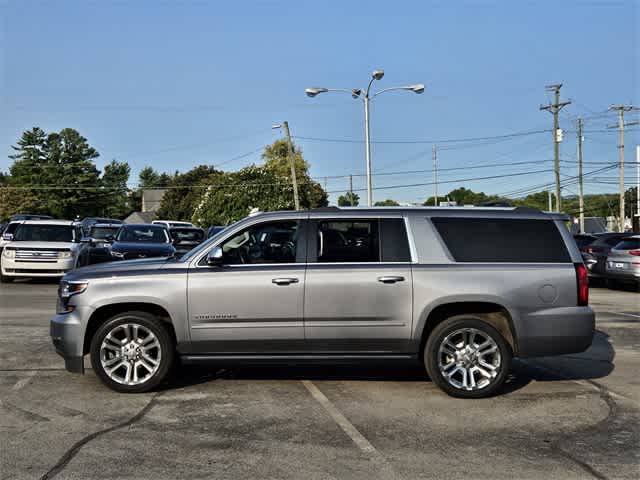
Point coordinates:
[[313, 91], [417, 88], [279, 125], [377, 74], [355, 93]]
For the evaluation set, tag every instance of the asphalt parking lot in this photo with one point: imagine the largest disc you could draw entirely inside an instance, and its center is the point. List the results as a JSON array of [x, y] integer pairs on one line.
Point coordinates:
[[570, 417]]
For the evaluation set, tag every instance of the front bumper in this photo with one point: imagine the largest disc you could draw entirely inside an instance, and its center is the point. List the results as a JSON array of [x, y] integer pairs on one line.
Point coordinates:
[[21, 268], [555, 331], [67, 335]]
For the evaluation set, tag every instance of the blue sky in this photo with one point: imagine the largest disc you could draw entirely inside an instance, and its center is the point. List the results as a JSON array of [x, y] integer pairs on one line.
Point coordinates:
[[177, 84]]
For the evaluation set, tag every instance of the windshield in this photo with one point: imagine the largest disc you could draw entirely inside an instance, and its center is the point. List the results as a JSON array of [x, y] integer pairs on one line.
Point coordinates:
[[187, 256], [100, 233], [12, 227], [45, 233], [150, 234], [187, 234]]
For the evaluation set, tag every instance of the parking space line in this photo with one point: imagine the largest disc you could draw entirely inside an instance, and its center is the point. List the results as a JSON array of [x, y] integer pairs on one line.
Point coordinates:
[[627, 314], [360, 440], [20, 384]]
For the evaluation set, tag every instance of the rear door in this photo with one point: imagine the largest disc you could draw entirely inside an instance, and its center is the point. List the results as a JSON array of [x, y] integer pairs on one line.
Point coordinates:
[[358, 295]]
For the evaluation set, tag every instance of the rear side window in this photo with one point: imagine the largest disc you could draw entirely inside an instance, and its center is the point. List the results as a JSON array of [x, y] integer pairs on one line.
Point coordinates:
[[393, 240], [502, 240], [348, 241]]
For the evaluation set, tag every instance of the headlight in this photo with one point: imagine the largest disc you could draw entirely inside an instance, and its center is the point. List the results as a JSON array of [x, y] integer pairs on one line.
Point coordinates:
[[9, 253], [67, 289], [66, 254], [117, 254]]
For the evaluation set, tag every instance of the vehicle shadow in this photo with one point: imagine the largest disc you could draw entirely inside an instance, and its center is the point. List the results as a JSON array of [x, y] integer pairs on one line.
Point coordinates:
[[596, 362]]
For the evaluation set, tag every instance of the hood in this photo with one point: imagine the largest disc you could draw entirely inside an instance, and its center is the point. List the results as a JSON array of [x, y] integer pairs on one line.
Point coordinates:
[[43, 245], [138, 247], [118, 267]]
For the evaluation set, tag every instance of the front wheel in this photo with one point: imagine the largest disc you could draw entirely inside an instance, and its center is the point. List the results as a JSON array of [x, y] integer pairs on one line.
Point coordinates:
[[132, 352], [467, 358]]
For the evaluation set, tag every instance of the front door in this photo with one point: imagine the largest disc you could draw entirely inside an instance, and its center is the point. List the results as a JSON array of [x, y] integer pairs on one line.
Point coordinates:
[[253, 303], [358, 296]]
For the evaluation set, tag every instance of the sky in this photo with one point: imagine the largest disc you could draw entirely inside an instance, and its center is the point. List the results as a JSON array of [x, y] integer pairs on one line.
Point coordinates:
[[175, 84]]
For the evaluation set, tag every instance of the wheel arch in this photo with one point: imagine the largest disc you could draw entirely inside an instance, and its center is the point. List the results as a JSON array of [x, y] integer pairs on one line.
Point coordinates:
[[495, 314], [105, 312]]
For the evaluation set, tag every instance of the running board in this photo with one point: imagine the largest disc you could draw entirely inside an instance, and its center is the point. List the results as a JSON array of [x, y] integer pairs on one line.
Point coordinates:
[[264, 359]]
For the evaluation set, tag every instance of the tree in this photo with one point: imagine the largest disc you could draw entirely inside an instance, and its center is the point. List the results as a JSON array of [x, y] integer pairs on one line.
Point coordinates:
[[276, 160], [346, 199], [387, 203], [185, 193], [115, 201], [58, 170]]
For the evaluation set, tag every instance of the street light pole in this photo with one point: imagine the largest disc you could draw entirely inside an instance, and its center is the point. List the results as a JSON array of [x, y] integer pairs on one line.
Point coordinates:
[[366, 98]]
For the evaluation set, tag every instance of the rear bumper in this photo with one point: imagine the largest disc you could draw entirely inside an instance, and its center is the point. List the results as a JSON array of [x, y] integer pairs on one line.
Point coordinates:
[[67, 336], [555, 331]]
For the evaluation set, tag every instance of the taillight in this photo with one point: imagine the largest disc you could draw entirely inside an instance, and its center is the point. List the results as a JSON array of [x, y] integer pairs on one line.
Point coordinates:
[[583, 284], [634, 252]]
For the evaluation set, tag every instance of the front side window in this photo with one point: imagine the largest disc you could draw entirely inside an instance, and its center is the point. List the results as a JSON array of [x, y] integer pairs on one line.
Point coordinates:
[[270, 242], [143, 234], [342, 241], [44, 233]]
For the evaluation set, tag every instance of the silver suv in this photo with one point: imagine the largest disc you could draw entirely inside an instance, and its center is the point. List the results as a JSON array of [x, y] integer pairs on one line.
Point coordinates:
[[461, 289]]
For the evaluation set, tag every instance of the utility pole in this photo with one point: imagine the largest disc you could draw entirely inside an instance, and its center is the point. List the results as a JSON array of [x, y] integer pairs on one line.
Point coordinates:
[[351, 189], [555, 108], [580, 179], [550, 201], [435, 175], [292, 161], [621, 109], [638, 182]]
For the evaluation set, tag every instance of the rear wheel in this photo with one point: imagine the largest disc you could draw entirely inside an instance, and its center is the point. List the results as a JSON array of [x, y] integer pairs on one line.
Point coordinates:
[[132, 352], [467, 358]]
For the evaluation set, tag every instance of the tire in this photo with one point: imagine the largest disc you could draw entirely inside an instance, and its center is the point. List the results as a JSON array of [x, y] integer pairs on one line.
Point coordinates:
[[612, 284], [125, 365], [471, 376], [5, 279]]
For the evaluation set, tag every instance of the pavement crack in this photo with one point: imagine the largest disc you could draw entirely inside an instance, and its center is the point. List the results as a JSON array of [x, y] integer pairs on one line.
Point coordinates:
[[75, 448]]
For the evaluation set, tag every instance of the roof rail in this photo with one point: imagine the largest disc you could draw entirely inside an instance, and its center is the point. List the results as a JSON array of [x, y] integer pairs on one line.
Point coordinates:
[[332, 208], [527, 210]]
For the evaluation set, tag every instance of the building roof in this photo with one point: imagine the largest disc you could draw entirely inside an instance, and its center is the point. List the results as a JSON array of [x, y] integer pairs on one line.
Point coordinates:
[[140, 217]]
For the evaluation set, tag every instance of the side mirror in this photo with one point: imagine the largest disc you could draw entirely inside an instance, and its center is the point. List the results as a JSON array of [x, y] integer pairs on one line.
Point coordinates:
[[214, 257], [109, 238], [7, 237]]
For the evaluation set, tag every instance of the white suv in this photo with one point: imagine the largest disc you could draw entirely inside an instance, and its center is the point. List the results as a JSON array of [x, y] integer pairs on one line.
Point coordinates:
[[42, 248]]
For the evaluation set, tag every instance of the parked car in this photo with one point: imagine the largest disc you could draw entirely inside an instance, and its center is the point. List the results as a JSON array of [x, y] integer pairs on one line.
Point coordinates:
[[8, 232], [88, 221], [599, 249], [98, 240], [172, 223], [41, 248], [623, 263], [214, 230], [342, 285], [584, 239], [186, 238], [141, 241], [28, 216]]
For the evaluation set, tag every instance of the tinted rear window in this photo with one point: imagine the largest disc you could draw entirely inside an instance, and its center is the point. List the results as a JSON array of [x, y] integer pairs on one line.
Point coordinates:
[[393, 238], [502, 240], [628, 244]]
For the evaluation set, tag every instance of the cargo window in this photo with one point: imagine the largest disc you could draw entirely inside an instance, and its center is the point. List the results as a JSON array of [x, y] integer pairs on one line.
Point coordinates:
[[348, 241], [502, 240]]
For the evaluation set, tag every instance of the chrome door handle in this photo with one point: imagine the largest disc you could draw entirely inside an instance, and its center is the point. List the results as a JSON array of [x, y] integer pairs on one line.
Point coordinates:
[[390, 279], [284, 281]]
